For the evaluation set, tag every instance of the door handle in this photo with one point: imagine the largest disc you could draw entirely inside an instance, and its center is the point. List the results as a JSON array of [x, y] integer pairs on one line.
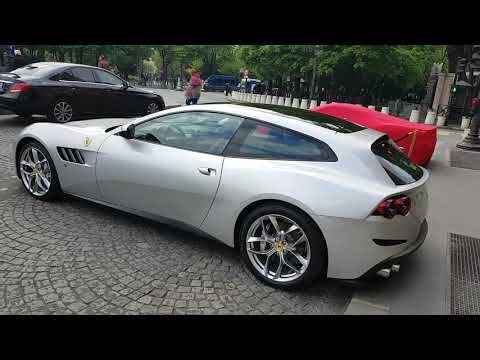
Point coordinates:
[[207, 171]]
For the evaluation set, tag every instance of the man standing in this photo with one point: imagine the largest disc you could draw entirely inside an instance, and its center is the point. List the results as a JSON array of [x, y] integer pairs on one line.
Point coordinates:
[[102, 62], [398, 107]]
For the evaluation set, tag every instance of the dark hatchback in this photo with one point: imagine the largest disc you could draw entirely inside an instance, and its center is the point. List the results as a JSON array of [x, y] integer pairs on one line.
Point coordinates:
[[64, 91]]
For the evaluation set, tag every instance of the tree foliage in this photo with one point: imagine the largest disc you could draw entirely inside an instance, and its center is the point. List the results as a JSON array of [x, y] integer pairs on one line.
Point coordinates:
[[383, 70]]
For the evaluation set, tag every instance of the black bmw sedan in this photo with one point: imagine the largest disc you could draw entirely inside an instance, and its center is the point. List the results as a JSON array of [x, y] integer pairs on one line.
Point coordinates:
[[64, 91]]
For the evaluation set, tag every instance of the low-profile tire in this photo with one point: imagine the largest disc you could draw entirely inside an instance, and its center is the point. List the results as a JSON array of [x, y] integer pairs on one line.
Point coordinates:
[[261, 242], [34, 159], [61, 111]]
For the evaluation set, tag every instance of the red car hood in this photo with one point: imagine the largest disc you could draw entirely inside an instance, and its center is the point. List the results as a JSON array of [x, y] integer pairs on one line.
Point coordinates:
[[419, 146]]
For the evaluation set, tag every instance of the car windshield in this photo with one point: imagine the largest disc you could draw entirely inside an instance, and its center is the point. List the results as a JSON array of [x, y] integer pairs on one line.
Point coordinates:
[[315, 118]]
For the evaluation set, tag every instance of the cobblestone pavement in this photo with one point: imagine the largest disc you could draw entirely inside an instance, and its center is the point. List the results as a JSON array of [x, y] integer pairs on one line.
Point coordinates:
[[75, 257]]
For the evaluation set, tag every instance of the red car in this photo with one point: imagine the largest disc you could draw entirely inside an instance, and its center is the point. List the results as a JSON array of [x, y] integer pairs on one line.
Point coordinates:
[[417, 141]]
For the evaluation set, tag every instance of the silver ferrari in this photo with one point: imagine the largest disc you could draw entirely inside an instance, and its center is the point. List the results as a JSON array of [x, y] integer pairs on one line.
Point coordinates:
[[302, 195]]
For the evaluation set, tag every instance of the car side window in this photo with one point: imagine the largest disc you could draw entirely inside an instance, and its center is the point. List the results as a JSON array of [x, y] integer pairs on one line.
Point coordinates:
[[63, 76], [264, 141], [201, 131], [83, 74], [107, 78]]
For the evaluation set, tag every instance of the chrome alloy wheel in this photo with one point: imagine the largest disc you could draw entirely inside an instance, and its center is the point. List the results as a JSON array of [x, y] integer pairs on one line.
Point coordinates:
[[278, 248], [35, 171], [152, 108], [62, 111]]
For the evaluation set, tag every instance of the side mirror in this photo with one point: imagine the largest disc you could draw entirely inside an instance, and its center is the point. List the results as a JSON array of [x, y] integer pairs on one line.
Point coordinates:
[[128, 132], [126, 85]]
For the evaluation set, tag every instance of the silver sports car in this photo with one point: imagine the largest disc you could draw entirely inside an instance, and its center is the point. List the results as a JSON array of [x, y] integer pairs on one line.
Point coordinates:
[[302, 195]]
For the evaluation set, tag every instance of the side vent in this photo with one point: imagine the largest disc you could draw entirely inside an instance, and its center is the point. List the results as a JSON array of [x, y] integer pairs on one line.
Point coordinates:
[[71, 155]]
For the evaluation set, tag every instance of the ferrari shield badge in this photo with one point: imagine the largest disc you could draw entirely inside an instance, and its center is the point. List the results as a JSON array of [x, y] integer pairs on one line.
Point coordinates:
[[87, 141]]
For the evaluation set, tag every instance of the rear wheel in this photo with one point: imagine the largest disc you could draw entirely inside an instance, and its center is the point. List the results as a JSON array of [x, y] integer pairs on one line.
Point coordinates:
[[282, 246], [37, 172], [61, 111]]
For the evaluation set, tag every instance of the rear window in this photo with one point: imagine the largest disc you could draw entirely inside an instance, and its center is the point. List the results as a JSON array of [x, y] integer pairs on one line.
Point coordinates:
[[400, 168], [264, 141], [315, 118], [33, 69]]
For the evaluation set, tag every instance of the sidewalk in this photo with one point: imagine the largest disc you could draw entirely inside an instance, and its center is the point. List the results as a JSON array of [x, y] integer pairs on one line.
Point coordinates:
[[423, 284]]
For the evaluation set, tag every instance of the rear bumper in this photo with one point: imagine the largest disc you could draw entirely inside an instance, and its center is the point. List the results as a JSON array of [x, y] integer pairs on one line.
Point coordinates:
[[17, 103], [412, 247], [352, 251], [8, 103]]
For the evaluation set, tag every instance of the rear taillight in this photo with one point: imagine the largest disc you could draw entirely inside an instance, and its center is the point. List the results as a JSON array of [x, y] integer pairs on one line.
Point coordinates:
[[394, 206], [19, 87]]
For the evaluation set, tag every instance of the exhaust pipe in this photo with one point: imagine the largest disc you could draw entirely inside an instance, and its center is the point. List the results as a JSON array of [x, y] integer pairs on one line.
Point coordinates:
[[386, 273]]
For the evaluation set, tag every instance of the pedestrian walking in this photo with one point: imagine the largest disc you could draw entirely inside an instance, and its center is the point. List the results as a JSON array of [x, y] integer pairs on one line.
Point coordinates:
[[188, 94], [398, 107], [228, 89], [103, 62], [196, 89]]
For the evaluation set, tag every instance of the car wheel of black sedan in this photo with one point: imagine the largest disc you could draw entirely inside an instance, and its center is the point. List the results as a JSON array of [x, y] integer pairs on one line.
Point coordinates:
[[153, 107], [61, 111]]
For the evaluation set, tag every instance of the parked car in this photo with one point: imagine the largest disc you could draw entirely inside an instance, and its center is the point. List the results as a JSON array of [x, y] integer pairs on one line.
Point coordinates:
[[252, 83], [64, 91], [302, 195], [219, 82], [417, 141]]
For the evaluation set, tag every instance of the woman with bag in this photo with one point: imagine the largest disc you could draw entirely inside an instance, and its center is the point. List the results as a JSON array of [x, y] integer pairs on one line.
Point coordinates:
[[196, 88]]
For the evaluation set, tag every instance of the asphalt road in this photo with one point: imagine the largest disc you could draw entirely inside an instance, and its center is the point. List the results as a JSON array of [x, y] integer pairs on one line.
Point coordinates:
[[173, 97], [75, 257]]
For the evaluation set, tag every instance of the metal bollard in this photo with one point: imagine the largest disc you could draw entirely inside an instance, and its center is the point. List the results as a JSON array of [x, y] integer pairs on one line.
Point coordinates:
[[414, 116], [440, 120], [465, 123], [430, 118]]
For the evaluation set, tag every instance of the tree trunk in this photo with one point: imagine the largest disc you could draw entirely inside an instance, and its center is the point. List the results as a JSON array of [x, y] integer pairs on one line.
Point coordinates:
[[79, 55], [312, 85]]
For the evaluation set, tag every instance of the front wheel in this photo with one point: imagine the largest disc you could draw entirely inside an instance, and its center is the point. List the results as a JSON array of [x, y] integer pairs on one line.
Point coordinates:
[[37, 172], [283, 247], [153, 107]]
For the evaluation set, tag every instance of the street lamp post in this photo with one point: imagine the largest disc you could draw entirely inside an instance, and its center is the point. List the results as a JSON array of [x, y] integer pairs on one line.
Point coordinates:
[[472, 140]]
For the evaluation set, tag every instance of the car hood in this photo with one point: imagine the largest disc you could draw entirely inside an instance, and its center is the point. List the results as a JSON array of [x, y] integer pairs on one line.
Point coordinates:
[[98, 125], [142, 90]]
